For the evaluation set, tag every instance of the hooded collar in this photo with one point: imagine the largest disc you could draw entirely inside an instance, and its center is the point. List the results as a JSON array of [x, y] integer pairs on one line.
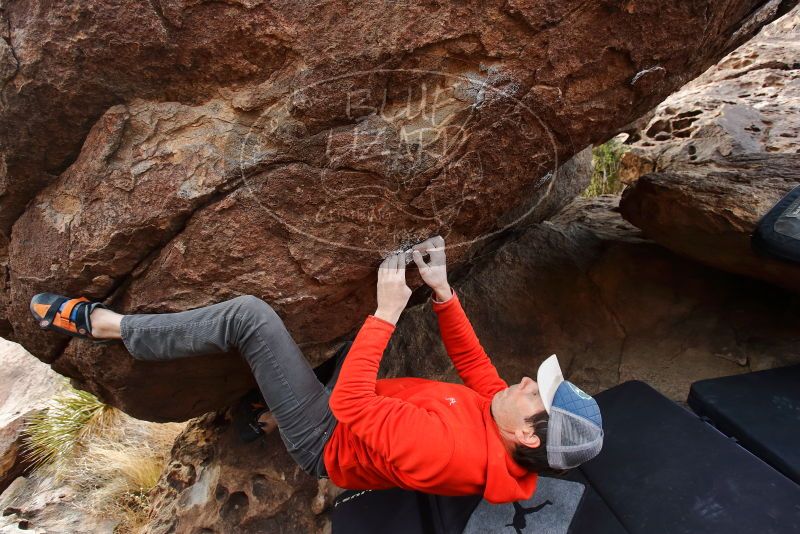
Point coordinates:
[[506, 480]]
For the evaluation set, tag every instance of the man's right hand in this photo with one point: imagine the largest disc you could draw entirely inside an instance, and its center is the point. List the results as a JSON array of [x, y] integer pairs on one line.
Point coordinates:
[[434, 273], [393, 292]]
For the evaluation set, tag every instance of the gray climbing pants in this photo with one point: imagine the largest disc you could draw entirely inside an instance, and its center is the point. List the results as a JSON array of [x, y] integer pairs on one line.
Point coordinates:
[[296, 398]]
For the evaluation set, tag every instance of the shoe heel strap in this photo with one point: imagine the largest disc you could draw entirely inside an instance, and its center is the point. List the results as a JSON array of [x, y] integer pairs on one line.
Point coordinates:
[[87, 311]]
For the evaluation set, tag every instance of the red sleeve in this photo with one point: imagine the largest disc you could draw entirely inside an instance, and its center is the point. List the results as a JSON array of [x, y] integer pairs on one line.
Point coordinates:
[[471, 361], [389, 426]]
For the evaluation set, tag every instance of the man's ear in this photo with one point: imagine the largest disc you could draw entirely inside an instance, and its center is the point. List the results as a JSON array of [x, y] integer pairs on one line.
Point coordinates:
[[528, 438]]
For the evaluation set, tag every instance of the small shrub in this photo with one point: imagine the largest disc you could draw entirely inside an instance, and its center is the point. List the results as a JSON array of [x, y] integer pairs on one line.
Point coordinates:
[[605, 175], [110, 458], [53, 435]]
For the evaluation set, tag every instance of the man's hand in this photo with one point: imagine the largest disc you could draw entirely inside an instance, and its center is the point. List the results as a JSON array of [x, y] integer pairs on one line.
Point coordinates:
[[393, 292], [434, 273]]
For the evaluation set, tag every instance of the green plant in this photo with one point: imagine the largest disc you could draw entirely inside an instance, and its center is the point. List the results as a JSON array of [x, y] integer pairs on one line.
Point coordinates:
[[605, 174], [53, 435]]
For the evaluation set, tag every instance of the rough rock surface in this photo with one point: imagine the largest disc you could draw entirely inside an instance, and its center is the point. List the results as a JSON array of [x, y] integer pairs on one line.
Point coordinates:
[[5, 324], [722, 151], [216, 482], [576, 286], [42, 504], [177, 156], [748, 103], [710, 214], [26, 384]]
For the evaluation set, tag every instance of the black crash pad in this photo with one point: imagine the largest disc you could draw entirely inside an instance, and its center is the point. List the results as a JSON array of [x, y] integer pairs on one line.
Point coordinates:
[[593, 515], [777, 234], [663, 470], [549, 511], [761, 410], [398, 511]]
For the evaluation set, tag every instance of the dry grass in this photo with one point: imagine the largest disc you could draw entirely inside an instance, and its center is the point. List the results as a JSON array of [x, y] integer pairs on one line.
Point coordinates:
[[112, 459], [57, 432], [117, 471]]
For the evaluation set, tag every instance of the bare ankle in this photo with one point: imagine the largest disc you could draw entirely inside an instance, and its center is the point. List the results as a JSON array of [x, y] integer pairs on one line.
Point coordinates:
[[105, 324]]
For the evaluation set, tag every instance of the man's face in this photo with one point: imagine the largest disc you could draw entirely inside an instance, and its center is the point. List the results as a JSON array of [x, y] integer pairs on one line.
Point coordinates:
[[511, 406]]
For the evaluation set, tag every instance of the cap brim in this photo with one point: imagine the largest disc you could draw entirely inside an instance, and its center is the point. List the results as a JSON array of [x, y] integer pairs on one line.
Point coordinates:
[[549, 377]]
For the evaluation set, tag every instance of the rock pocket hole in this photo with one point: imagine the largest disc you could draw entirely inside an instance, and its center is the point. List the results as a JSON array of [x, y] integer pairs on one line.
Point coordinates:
[[658, 128], [682, 124], [235, 508], [261, 487], [686, 114]]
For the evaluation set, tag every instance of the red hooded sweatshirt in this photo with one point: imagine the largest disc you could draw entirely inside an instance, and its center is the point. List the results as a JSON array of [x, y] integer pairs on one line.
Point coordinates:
[[420, 434]]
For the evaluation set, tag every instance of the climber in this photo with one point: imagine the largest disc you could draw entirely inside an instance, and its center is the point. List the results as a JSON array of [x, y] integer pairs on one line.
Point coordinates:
[[482, 437]]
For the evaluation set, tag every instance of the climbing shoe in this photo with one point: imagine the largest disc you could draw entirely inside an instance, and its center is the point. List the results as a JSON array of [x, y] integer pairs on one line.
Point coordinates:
[[246, 415], [66, 315]]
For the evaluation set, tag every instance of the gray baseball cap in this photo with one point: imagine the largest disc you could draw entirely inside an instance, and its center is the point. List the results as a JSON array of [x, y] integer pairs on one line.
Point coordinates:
[[575, 428]]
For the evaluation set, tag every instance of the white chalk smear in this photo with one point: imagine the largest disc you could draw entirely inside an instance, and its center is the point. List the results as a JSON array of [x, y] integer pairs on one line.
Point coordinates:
[[646, 71]]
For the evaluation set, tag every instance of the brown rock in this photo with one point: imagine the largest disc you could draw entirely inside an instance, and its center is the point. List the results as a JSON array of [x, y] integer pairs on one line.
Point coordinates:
[[177, 156], [748, 103], [61, 72], [5, 325], [632, 166], [216, 482], [45, 504], [723, 150], [711, 216], [12, 461]]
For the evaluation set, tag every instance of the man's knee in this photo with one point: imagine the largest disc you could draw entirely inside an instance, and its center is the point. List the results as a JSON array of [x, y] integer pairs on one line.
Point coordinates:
[[255, 309]]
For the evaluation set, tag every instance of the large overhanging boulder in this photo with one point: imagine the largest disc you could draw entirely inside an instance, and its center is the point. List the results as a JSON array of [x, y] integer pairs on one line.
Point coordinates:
[[177, 156]]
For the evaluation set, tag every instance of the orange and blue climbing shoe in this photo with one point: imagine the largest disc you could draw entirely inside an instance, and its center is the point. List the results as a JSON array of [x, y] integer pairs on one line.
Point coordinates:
[[69, 316]]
